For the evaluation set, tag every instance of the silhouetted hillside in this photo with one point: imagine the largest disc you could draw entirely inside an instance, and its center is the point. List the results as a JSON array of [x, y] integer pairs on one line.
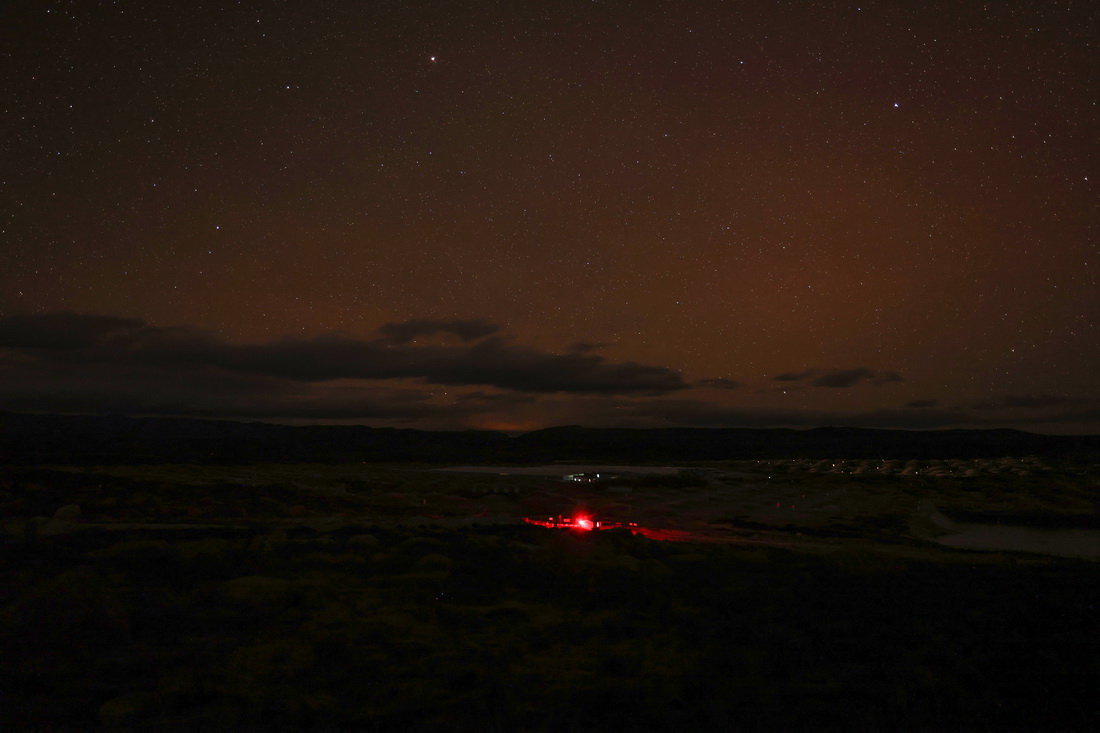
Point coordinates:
[[117, 439], [669, 444]]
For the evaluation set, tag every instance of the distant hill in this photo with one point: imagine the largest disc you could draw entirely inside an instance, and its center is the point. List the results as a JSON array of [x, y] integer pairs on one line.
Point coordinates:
[[670, 444], [87, 439], [117, 439]]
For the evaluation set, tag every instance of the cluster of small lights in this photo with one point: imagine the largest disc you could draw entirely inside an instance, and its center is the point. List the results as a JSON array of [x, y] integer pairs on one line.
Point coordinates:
[[581, 523]]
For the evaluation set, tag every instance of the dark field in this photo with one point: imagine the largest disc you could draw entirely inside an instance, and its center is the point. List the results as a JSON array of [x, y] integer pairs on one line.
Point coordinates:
[[356, 597]]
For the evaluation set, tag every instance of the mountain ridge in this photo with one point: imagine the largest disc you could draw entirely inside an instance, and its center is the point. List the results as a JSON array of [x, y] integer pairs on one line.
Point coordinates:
[[84, 439]]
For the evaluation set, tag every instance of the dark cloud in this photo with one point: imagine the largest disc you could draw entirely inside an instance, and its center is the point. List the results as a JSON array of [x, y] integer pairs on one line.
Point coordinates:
[[63, 330], [80, 338], [794, 376], [154, 390], [719, 383], [838, 378], [492, 361], [75, 339], [583, 347], [468, 330], [68, 362], [502, 365]]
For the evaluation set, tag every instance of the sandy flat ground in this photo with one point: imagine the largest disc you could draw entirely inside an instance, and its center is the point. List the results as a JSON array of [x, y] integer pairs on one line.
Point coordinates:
[[811, 504], [930, 524], [1083, 543]]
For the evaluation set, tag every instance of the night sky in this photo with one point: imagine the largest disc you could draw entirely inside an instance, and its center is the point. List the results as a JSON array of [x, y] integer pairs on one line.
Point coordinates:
[[512, 215]]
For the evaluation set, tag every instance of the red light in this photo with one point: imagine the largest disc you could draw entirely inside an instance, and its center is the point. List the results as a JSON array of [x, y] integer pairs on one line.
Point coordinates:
[[584, 523]]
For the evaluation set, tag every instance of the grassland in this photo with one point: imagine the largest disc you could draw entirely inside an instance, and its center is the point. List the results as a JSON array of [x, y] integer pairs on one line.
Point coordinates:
[[375, 597]]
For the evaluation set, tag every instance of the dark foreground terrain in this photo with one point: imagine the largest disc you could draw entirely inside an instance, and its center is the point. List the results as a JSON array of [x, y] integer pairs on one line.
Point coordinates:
[[365, 597]]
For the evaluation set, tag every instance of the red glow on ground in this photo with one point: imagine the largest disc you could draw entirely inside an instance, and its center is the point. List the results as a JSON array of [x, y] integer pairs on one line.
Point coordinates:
[[663, 534], [580, 522]]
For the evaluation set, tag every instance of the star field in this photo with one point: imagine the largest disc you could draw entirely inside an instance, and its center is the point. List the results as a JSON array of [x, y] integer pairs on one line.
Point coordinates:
[[693, 213]]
